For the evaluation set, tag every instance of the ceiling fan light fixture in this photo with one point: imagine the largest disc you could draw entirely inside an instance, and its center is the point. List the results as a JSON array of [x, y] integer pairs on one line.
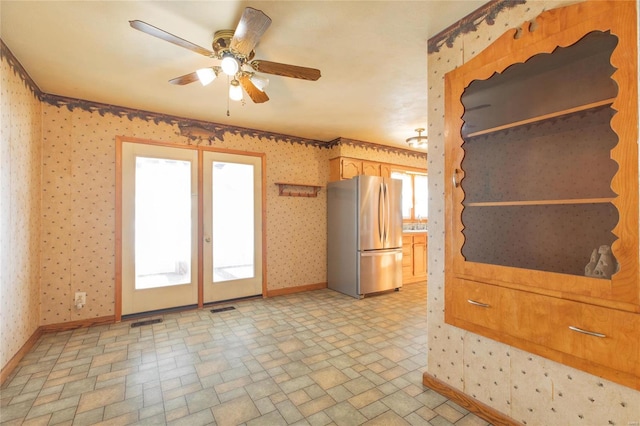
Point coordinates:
[[230, 65], [418, 141], [235, 90], [206, 75], [260, 82]]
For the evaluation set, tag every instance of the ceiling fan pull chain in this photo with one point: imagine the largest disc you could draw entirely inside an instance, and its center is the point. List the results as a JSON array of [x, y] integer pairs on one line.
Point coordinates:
[[228, 84]]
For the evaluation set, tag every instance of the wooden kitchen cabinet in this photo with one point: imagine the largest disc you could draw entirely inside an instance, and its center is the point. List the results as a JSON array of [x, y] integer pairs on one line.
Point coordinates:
[[349, 168], [407, 259], [345, 168], [541, 150], [370, 168], [420, 256], [414, 257]]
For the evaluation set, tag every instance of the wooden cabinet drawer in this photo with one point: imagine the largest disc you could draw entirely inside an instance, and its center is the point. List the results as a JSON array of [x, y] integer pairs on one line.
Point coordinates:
[[473, 303], [556, 328], [614, 341]]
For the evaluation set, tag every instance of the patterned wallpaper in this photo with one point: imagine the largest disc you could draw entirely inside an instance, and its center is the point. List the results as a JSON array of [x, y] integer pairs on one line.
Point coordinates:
[[79, 193], [20, 168], [528, 388], [77, 245]]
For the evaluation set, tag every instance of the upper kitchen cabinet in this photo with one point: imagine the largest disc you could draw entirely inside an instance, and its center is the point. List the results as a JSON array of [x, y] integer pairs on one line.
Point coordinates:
[[542, 196], [341, 168]]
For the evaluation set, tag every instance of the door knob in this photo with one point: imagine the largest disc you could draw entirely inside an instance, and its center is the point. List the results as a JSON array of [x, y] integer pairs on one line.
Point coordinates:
[[207, 239]]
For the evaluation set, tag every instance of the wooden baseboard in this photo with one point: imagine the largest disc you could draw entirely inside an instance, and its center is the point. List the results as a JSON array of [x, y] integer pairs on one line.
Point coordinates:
[[50, 328], [15, 360], [72, 325], [298, 289], [476, 407]]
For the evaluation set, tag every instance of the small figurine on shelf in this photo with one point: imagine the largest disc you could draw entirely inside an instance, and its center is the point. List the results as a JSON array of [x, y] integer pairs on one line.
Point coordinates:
[[591, 266], [604, 267]]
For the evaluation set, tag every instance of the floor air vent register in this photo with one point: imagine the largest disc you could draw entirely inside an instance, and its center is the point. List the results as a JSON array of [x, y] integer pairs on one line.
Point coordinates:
[[226, 308], [146, 322]]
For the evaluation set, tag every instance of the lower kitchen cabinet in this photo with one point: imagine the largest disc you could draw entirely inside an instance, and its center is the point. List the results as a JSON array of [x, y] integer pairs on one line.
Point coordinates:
[[414, 257]]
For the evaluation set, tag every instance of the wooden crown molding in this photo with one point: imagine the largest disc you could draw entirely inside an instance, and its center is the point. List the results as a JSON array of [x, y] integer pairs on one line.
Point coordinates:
[[197, 131], [486, 13], [376, 147], [16, 66]]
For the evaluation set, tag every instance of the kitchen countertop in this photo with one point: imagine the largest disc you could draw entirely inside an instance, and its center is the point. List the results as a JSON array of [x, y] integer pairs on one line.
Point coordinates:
[[414, 231]]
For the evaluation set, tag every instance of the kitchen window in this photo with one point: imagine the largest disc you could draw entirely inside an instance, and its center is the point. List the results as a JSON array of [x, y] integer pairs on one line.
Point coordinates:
[[415, 195]]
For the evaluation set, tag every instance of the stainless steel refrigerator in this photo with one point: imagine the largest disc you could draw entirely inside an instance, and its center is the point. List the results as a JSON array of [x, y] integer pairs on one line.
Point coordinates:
[[364, 241]]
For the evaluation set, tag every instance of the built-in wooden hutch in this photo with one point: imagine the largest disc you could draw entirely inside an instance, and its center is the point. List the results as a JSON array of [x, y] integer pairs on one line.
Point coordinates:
[[542, 190]]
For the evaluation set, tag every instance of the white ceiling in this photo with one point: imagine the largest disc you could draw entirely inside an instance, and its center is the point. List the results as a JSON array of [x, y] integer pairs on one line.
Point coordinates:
[[372, 55]]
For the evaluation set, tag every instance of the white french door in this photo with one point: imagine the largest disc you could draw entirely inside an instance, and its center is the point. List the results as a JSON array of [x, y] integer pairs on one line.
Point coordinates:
[[164, 219], [159, 227], [232, 231]]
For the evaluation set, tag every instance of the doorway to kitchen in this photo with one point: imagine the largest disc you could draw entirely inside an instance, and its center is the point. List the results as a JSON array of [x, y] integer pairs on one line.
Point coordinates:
[[189, 226]]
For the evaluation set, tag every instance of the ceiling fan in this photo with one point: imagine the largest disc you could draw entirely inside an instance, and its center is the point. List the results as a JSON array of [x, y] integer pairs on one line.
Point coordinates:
[[235, 51]]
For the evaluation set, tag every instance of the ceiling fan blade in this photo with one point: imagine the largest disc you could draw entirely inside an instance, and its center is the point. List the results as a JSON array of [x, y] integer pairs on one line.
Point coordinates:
[[286, 70], [163, 35], [184, 79], [254, 93], [252, 25]]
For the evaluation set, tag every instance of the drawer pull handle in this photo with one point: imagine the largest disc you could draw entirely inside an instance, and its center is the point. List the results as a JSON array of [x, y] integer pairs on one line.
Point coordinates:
[[482, 305], [590, 333]]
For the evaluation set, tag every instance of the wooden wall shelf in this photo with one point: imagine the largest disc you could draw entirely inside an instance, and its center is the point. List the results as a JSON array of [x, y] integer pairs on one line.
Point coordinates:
[[537, 119], [539, 202], [286, 189]]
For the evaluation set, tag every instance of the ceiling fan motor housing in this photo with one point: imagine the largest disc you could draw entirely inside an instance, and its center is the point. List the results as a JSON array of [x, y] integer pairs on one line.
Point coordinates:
[[222, 44]]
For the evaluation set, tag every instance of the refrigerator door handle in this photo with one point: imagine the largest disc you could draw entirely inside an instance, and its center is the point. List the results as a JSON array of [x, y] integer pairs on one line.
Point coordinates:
[[384, 214], [381, 213], [387, 215], [370, 253]]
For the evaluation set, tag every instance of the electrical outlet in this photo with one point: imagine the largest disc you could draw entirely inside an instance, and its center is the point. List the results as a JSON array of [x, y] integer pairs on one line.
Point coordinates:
[[80, 300]]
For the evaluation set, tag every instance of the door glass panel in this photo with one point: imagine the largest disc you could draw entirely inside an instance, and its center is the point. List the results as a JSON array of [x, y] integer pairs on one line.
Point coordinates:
[[162, 222], [233, 221]]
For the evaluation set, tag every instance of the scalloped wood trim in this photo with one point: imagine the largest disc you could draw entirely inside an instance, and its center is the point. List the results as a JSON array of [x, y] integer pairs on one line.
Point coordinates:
[[575, 20]]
